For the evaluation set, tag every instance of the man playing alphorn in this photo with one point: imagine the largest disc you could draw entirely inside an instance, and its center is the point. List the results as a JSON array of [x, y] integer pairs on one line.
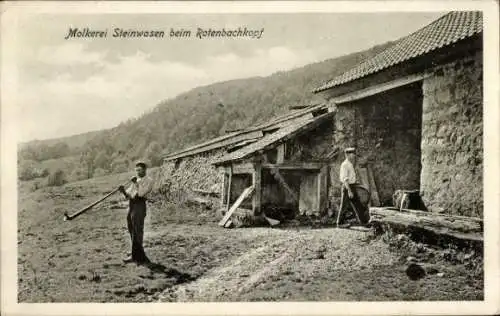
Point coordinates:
[[137, 194]]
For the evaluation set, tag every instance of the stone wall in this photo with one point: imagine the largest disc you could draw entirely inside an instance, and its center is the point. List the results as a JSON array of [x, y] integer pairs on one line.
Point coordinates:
[[320, 144], [387, 129], [452, 148]]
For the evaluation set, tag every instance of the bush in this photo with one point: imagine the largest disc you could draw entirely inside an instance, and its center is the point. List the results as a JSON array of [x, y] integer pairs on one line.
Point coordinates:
[[37, 184], [27, 171], [57, 178]]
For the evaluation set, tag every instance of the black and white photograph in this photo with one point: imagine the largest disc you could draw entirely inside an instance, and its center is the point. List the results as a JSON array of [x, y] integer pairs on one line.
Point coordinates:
[[267, 154]]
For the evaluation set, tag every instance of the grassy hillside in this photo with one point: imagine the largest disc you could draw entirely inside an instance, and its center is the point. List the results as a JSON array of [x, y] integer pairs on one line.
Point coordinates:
[[194, 116]]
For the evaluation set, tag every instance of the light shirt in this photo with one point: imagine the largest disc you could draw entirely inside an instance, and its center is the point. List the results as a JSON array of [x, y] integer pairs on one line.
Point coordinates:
[[347, 172], [141, 188]]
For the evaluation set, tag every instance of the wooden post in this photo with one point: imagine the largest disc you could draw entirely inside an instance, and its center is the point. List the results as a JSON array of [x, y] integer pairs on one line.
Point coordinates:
[[322, 189], [223, 196], [280, 157], [228, 199], [257, 184]]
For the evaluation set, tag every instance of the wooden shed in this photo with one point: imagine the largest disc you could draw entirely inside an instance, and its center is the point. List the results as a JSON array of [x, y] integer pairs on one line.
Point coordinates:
[[262, 176]]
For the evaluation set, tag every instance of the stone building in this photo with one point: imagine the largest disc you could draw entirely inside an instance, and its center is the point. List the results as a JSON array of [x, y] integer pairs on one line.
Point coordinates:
[[414, 111]]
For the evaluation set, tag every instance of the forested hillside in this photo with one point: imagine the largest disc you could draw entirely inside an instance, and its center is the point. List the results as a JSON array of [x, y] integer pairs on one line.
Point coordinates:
[[191, 117]]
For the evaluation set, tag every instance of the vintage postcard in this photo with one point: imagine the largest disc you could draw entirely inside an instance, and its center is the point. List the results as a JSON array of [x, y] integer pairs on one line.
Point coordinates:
[[260, 158]]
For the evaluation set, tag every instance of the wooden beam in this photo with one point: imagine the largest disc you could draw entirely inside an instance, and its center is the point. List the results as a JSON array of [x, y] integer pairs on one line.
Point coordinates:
[[277, 175], [224, 192], [228, 199], [243, 168], [376, 89], [323, 189], [257, 184], [245, 194], [294, 166], [280, 157]]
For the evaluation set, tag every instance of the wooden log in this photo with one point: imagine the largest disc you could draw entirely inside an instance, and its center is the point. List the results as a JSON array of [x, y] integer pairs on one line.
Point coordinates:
[[457, 227]]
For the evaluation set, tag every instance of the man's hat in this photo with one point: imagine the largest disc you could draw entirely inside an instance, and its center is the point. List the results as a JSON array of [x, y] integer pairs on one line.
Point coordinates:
[[350, 150], [141, 163]]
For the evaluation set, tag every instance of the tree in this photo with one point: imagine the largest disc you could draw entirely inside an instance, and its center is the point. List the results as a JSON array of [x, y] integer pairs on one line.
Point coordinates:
[[154, 154], [58, 150], [102, 161], [27, 170], [87, 161], [57, 178]]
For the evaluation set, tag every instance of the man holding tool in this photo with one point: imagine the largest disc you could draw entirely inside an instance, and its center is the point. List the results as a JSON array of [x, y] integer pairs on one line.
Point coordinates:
[[137, 194], [348, 178]]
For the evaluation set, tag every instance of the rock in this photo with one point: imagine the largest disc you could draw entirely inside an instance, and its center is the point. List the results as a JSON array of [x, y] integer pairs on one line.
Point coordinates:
[[431, 270], [415, 272]]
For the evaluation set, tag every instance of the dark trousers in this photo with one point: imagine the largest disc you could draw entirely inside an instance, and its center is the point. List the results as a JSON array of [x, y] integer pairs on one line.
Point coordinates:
[[354, 203], [135, 224]]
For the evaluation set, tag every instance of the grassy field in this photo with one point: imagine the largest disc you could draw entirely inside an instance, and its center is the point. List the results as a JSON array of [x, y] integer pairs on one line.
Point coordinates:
[[195, 260]]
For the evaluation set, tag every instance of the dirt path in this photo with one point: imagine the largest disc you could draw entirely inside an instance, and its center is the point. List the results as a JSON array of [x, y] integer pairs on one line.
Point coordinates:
[[80, 261], [320, 264]]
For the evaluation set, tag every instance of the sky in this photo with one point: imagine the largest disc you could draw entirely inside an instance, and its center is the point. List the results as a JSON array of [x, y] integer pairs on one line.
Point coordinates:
[[70, 86]]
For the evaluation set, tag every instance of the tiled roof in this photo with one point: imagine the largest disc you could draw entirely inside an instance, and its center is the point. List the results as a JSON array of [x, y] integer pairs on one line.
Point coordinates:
[[445, 31], [290, 130]]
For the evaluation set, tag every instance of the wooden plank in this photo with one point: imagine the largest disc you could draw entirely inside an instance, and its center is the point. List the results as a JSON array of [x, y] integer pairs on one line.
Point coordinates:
[[243, 168], [257, 184], [294, 166], [280, 157], [215, 143], [376, 89], [375, 198], [228, 195], [245, 194], [277, 175], [225, 183]]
